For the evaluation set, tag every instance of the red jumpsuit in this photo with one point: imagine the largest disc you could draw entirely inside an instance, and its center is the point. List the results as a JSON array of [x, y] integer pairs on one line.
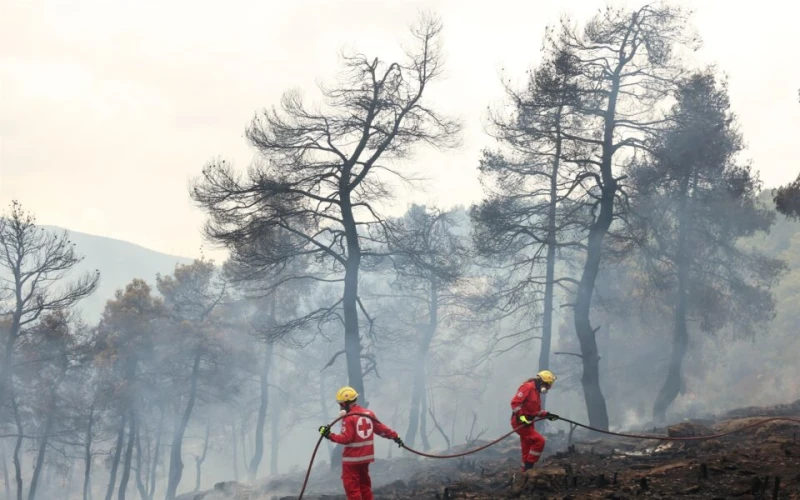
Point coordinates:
[[527, 402], [357, 437]]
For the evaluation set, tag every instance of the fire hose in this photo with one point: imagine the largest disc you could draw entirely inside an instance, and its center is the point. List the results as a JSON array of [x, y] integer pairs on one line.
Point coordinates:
[[501, 438], [686, 438]]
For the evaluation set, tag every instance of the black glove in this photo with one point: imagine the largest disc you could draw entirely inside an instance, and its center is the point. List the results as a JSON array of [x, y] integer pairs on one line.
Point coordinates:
[[399, 442], [325, 431], [525, 419], [551, 417]]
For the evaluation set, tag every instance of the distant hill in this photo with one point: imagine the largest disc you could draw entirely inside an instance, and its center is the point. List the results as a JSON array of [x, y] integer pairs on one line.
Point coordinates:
[[119, 262]]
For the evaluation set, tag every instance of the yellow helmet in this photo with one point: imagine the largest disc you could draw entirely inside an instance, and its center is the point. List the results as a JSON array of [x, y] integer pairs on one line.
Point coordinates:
[[346, 395], [546, 376]]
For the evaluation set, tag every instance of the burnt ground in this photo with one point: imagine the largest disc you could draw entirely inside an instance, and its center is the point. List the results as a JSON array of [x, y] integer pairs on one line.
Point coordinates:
[[760, 463]]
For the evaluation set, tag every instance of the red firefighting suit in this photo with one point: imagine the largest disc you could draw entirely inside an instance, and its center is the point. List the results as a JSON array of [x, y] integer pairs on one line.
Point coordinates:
[[357, 437], [527, 402]]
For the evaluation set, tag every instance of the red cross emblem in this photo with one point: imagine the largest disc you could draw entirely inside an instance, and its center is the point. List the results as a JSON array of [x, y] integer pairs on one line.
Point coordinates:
[[364, 428]]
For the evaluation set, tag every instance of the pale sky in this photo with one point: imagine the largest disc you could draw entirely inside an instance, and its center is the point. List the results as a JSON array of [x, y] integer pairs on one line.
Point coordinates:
[[108, 108]]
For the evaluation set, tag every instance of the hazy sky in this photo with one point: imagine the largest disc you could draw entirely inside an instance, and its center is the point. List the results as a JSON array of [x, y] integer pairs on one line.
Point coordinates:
[[109, 108]]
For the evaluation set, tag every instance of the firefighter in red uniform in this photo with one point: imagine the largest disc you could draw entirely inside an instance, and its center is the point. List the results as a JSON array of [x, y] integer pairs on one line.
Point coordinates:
[[526, 406], [357, 438]]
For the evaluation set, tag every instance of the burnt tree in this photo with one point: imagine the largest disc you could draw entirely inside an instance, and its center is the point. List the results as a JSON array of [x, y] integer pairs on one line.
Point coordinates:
[[267, 293], [530, 217], [125, 343], [430, 262], [192, 297], [322, 169], [626, 67], [36, 261]]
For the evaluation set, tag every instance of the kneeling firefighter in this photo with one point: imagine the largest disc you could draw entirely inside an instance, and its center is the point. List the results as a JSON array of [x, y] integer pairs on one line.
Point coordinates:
[[357, 438], [526, 406]]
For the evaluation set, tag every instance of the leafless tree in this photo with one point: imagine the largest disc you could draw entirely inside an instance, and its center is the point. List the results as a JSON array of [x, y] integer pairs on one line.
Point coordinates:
[[324, 170], [34, 264]]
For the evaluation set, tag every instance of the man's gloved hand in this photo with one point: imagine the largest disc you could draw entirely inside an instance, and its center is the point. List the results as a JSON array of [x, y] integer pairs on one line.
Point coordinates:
[[399, 442], [523, 419], [325, 431], [551, 416]]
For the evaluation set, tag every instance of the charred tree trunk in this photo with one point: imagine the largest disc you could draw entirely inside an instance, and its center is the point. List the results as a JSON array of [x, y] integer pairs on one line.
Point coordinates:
[[417, 394], [18, 467], [70, 482], [45, 481], [202, 458], [175, 460], [352, 337], [423, 420], [595, 402], [235, 441], [112, 481], [680, 341], [550, 271], [126, 466], [140, 482], [333, 451], [52, 403], [130, 376], [393, 425], [673, 383], [87, 455], [156, 455], [6, 479], [258, 451], [592, 392], [13, 333], [418, 385], [275, 438], [17, 446], [37, 470], [453, 426], [164, 461], [243, 438]]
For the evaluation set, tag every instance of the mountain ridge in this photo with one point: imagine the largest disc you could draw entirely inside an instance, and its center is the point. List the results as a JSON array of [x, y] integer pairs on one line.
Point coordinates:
[[118, 262]]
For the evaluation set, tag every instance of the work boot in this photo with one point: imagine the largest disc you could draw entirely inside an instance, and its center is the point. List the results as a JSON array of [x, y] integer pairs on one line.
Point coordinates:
[[526, 466]]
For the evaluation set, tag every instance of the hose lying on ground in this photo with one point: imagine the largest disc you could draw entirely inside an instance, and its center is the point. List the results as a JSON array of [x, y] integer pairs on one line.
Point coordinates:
[[685, 438], [492, 443]]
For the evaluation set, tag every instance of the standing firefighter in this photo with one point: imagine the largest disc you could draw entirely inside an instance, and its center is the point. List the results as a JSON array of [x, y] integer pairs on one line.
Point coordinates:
[[357, 438], [526, 406]]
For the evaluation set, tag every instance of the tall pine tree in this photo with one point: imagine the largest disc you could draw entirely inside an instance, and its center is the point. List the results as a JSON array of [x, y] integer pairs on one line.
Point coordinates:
[[696, 203]]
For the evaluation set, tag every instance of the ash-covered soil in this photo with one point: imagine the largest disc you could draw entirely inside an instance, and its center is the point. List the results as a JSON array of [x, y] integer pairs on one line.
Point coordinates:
[[760, 463]]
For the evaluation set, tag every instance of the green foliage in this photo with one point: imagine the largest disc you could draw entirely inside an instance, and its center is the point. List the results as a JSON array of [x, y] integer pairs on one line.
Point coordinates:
[[696, 203], [787, 199], [782, 242]]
